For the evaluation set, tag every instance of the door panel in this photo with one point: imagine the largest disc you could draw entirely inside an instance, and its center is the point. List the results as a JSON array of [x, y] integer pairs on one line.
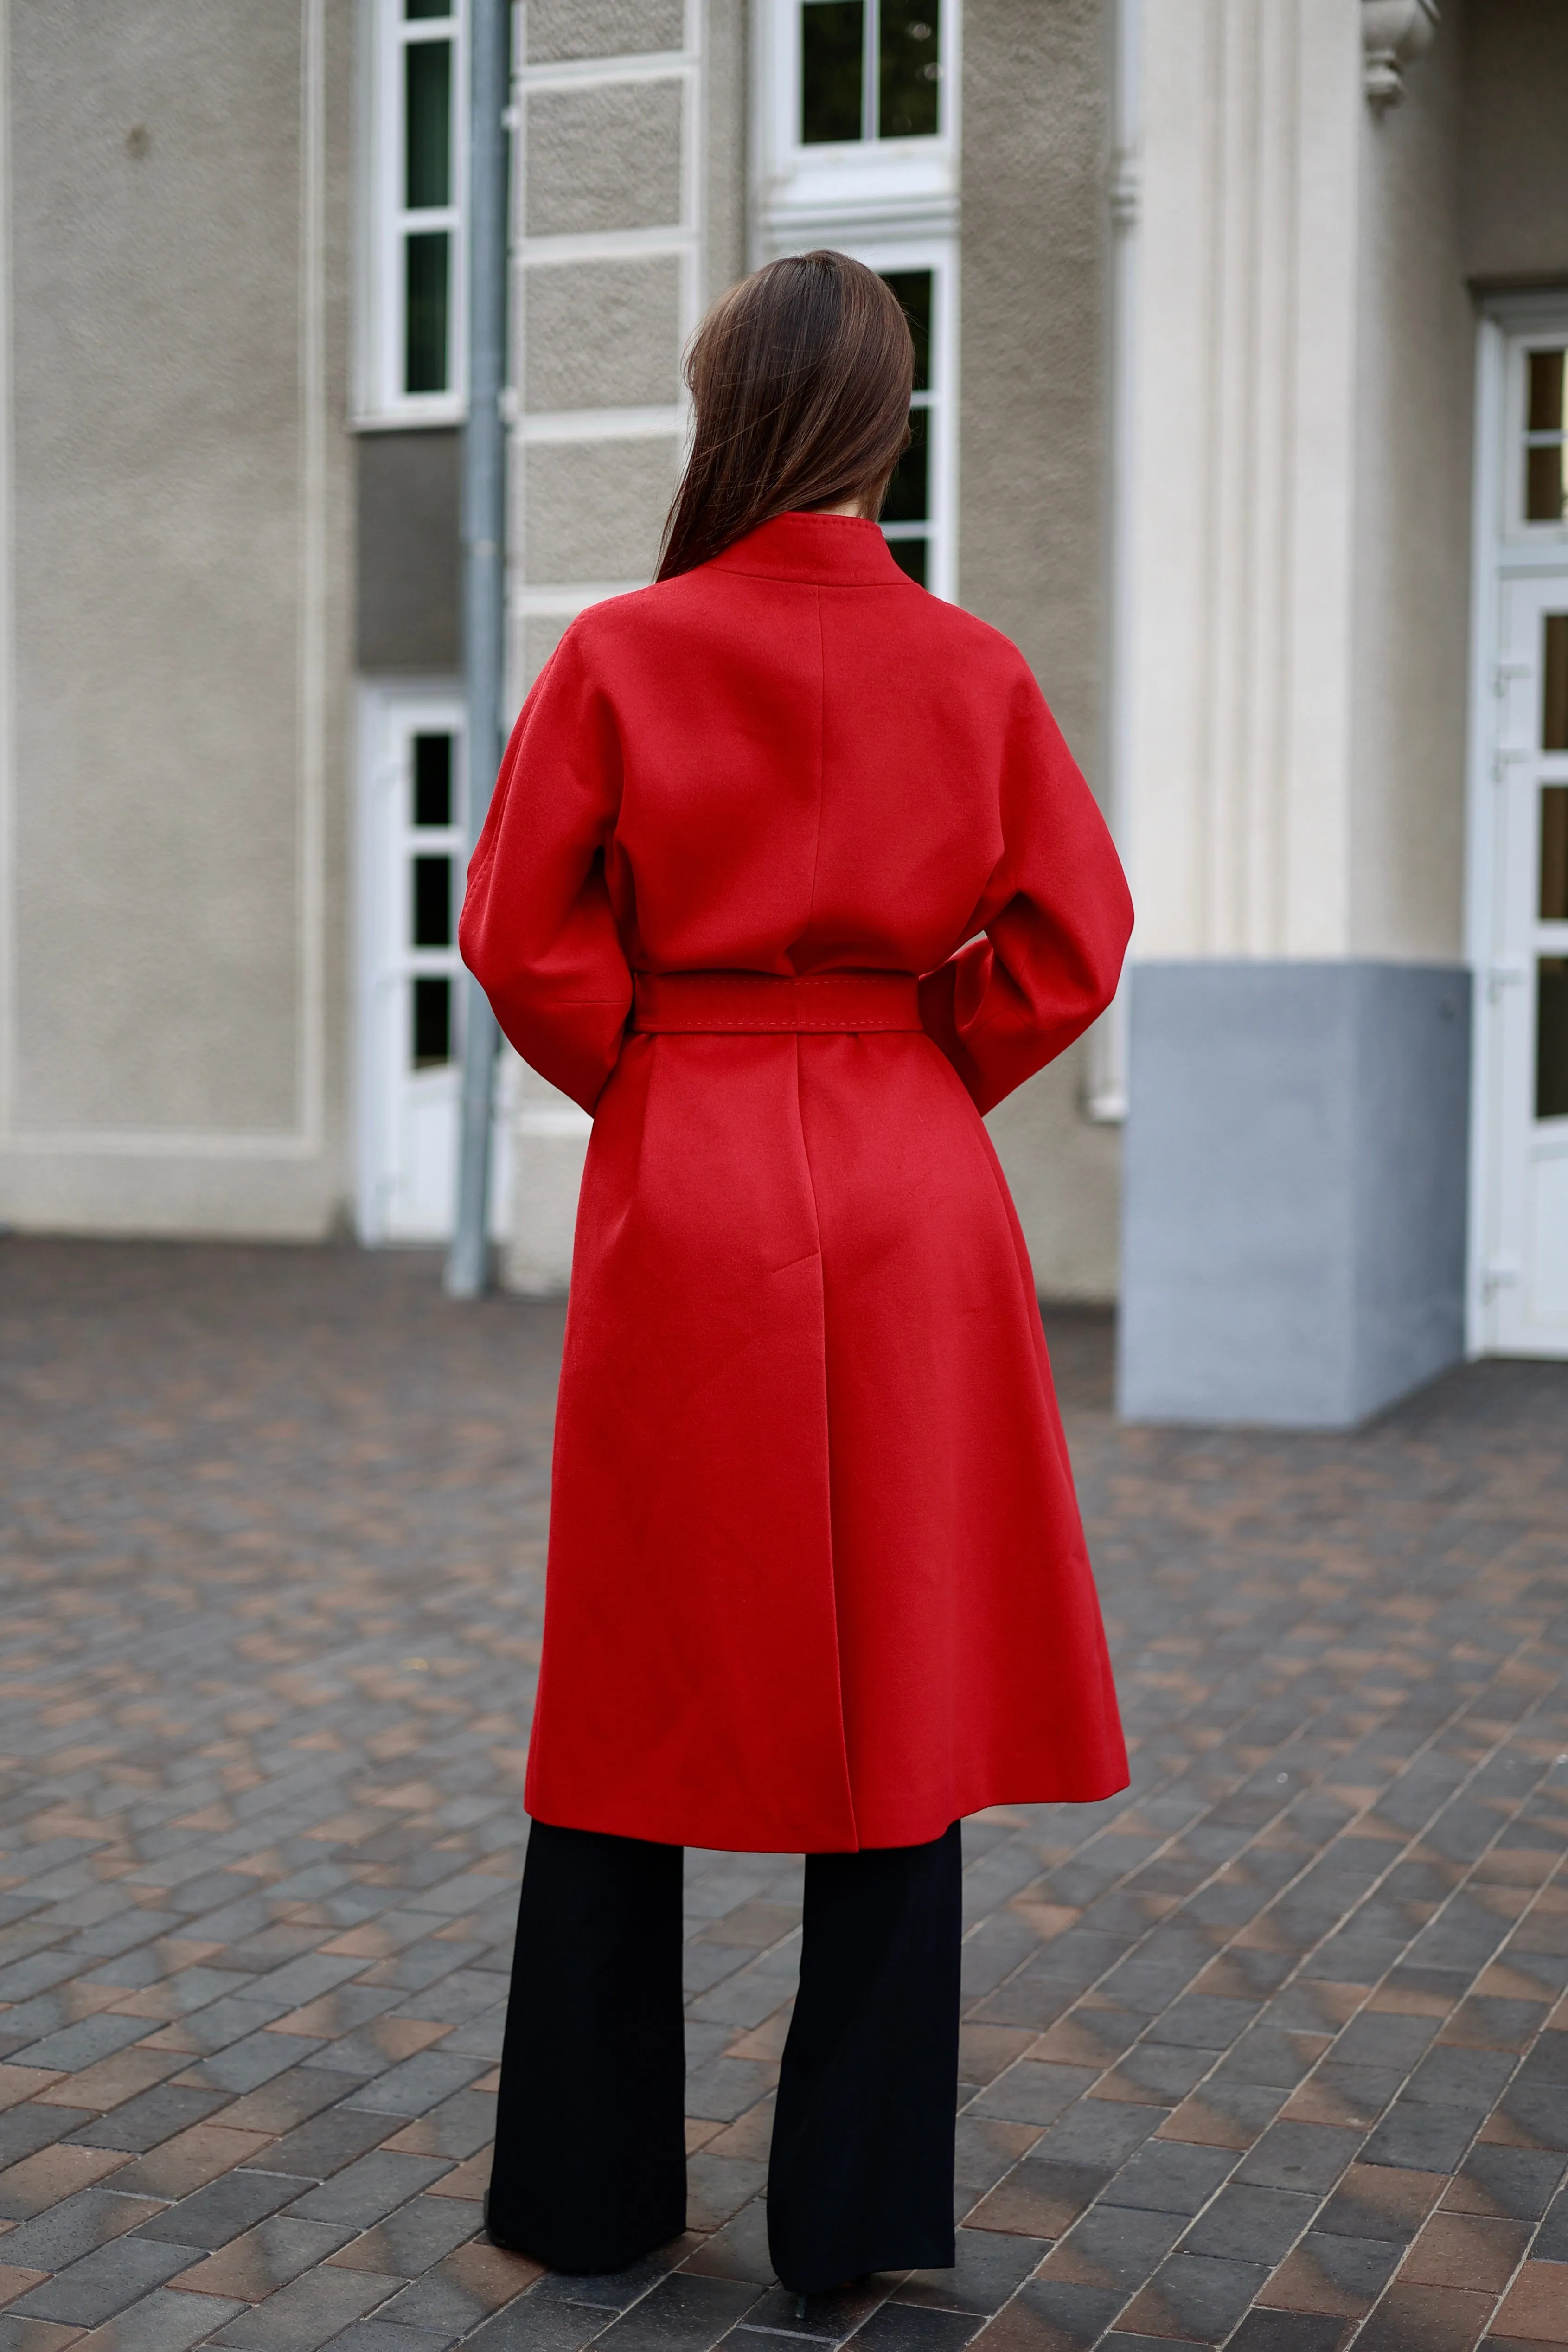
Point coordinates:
[[1527, 979], [411, 978]]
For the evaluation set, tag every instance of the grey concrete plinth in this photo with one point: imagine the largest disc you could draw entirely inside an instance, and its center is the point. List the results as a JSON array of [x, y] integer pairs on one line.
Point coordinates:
[[1293, 1238]]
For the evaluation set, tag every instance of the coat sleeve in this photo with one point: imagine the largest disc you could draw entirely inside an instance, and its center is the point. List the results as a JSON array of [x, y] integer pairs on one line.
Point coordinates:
[[1055, 921], [538, 930]]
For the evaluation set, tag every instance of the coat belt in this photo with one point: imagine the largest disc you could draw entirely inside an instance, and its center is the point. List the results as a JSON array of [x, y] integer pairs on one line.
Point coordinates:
[[759, 1001]]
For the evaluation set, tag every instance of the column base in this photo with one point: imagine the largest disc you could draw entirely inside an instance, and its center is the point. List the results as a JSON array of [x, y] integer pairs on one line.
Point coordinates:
[[1295, 1189]]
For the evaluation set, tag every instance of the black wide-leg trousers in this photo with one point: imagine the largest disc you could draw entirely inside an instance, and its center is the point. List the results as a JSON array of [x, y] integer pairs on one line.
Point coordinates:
[[589, 2166]]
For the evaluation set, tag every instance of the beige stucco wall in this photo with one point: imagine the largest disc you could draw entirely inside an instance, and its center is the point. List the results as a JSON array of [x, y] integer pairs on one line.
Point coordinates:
[[179, 578], [1031, 496], [602, 334], [1415, 365], [1514, 141]]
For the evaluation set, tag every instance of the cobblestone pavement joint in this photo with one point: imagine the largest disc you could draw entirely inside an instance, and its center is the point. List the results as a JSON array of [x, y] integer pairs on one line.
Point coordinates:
[[1272, 2051]]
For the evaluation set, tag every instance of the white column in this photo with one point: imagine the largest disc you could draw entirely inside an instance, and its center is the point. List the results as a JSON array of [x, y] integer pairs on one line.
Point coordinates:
[[1235, 786]]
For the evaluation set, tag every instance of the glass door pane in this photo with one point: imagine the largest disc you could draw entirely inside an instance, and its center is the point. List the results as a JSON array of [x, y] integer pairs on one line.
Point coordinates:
[[1546, 436]]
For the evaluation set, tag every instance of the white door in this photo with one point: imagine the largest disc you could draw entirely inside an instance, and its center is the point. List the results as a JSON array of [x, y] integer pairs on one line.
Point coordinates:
[[412, 853], [1523, 1064]]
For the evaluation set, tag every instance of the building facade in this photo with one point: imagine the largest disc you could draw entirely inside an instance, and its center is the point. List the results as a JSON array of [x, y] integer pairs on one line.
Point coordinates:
[[1240, 408]]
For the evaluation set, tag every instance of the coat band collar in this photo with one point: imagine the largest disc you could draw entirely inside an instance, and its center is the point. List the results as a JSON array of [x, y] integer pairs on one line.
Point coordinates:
[[833, 550]]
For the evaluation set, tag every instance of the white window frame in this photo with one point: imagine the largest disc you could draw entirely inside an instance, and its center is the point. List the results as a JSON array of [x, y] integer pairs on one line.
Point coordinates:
[[380, 399], [805, 194]]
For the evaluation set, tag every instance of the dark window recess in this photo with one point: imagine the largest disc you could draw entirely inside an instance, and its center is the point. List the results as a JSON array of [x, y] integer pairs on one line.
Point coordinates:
[[424, 325], [432, 1039], [432, 902], [912, 288], [1555, 854], [909, 70], [432, 780], [1546, 447], [909, 554], [832, 71], [1552, 1037], [1554, 683], [427, 69], [415, 11], [908, 497]]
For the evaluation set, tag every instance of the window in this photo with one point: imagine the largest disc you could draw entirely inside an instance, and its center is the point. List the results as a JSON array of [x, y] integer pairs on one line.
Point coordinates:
[[414, 360], [870, 69], [857, 147], [1546, 436], [907, 512]]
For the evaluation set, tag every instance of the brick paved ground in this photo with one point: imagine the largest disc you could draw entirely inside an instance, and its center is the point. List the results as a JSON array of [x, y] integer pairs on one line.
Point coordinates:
[[1273, 2052]]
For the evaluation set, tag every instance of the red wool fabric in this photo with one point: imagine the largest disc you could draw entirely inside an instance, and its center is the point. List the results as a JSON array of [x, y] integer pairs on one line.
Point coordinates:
[[817, 1578]]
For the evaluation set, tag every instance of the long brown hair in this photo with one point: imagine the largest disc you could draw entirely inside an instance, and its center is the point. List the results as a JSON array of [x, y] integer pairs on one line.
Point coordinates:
[[801, 379]]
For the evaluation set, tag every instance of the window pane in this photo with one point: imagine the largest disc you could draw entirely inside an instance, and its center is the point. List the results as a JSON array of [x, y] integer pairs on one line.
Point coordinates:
[[1546, 412], [909, 554], [419, 9], [1546, 482], [1555, 854], [427, 117], [832, 69], [909, 69], [432, 780], [432, 902], [908, 498], [424, 320], [1546, 462], [1554, 683], [1552, 1037], [432, 1039], [912, 288]]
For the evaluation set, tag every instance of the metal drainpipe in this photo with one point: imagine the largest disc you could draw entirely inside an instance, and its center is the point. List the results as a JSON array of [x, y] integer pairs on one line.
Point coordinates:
[[484, 588]]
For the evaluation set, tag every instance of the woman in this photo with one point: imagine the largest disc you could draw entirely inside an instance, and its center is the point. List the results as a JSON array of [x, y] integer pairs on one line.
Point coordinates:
[[789, 876]]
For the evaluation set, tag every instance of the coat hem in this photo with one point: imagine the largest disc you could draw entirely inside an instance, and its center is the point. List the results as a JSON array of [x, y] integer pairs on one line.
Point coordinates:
[[928, 1820]]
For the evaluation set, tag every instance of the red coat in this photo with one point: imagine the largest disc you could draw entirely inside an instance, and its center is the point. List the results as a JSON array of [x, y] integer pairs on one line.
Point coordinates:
[[817, 1578]]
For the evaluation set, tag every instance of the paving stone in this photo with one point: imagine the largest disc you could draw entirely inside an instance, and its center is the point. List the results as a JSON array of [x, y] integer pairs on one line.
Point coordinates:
[[1113, 2246], [155, 2116], [103, 2282], [222, 2209], [411, 2241], [64, 2233], [1050, 2315], [1171, 2177], [1243, 2223], [369, 2187], [160, 2322], [267, 2257], [288, 1534], [328, 2141], [307, 2313]]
